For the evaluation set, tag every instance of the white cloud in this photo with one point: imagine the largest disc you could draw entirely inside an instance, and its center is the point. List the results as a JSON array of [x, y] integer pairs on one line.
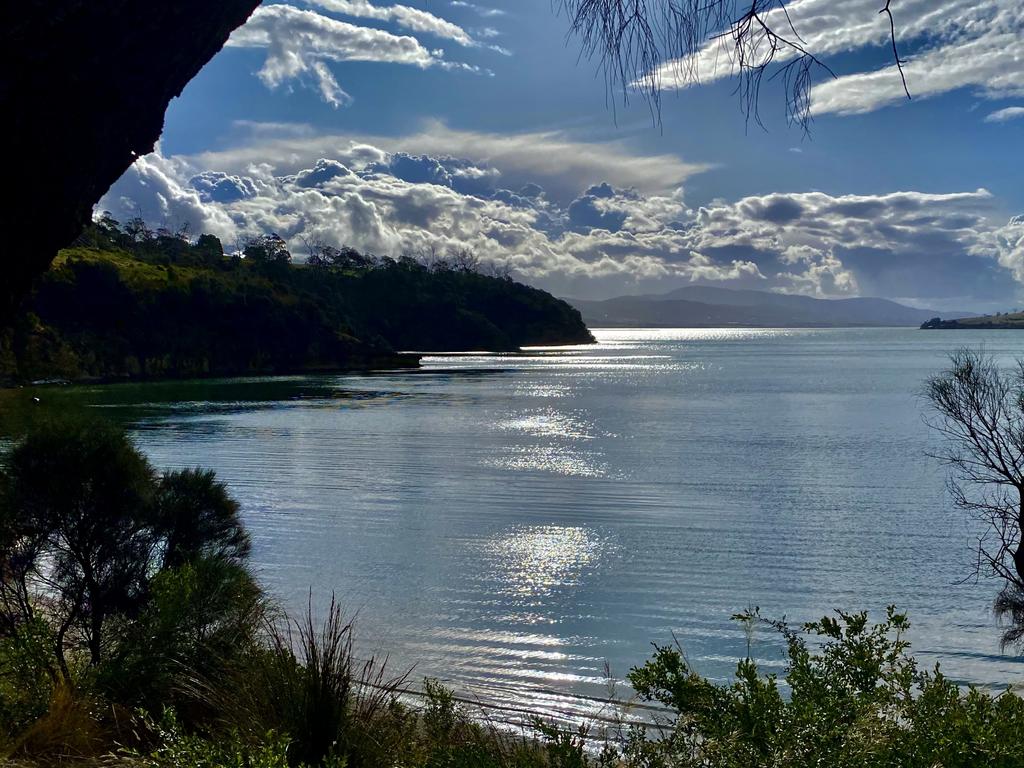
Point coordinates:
[[413, 19], [1003, 115], [158, 189], [608, 238], [482, 10], [563, 166], [986, 52], [949, 44], [1008, 244], [301, 43]]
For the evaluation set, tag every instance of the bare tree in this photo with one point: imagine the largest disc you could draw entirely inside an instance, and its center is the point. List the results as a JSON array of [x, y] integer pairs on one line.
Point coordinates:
[[464, 260], [979, 409], [315, 250], [633, 39]]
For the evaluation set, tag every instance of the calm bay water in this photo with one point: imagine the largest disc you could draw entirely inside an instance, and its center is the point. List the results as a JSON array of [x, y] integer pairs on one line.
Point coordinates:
[[512, 523]]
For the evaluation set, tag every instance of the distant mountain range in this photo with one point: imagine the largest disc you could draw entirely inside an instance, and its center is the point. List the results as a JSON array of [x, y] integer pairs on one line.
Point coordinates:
[[702, 306]]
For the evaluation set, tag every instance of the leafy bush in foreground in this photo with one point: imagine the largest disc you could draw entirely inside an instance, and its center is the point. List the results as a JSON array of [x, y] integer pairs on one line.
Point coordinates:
[[856, 699]]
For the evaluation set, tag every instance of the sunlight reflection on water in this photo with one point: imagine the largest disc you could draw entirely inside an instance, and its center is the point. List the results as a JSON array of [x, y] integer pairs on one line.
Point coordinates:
[[510, 522], [535, 560]]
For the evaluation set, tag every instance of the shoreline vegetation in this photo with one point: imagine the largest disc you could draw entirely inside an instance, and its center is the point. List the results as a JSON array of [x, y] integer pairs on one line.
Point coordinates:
[[133, 633], [1003, 321], [126, 303]]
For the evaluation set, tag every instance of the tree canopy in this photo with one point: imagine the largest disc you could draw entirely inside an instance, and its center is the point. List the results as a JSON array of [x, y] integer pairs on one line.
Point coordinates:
[[86, 525]]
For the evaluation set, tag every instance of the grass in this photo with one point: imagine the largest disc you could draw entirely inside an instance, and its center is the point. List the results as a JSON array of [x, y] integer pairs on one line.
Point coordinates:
[[1010, 319], [854, 698]]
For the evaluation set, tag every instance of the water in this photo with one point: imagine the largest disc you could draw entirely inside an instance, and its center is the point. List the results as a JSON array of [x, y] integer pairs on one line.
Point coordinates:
[[512, 523]]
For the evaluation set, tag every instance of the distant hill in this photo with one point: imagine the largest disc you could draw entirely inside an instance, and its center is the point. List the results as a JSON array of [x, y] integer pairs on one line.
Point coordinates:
[[1010, 320], [702, 306], [169, 308]]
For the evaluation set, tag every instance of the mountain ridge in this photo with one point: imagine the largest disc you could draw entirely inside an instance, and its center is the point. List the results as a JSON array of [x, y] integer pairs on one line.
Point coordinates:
[[709, 306]]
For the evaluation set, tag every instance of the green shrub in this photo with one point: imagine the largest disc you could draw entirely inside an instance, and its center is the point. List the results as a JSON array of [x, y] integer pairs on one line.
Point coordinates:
[[178, 749], [855, 699]]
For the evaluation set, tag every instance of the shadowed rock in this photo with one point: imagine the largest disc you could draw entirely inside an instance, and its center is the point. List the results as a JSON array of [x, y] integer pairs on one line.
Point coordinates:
[[83, 91]]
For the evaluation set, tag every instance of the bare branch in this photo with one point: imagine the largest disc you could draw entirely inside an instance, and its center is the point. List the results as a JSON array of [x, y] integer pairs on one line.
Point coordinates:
[[895, 53], [979, 410], [635, 42]]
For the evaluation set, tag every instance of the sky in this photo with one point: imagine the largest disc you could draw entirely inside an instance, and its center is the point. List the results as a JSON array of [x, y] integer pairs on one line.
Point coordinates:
[[437, 125]]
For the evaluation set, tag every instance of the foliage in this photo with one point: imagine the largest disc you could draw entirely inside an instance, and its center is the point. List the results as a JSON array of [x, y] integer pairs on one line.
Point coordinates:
[[199, 616], [71, 728], [86, 525], [855, 699], [304, 680], [127, 302], [26, 685], [175, 748], [268, 249], [75, 532]]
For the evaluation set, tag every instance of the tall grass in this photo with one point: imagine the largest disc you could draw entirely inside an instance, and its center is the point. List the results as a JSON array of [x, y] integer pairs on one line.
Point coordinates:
[[303, 680]]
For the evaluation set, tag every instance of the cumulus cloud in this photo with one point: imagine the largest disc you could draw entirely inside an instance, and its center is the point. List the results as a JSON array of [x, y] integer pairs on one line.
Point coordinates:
[[300, 44], [938, 247], [220, 187], [944, 250], [166, 192], [1008, 244], [949, 44]]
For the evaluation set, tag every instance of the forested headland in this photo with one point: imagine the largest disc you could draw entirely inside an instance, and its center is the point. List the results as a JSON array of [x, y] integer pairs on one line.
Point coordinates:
[[998, 321], [127, 302]]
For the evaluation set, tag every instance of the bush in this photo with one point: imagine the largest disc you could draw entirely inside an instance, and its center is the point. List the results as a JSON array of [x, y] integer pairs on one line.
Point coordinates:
[[856, 699], [116, 584], [177, 749]]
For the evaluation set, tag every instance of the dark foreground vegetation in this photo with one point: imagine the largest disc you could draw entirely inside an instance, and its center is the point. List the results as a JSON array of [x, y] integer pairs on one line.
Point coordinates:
[[132, 633], [127, 302]]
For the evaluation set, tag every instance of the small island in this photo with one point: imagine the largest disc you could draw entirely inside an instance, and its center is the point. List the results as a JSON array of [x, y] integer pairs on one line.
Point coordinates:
[[1005, 320]]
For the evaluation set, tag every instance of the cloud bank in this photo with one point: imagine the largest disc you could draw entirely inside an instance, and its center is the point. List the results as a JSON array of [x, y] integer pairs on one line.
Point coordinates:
[[609, 235]]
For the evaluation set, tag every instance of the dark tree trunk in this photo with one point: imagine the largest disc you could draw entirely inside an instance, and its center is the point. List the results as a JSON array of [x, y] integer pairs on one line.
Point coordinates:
[[1018, 555]]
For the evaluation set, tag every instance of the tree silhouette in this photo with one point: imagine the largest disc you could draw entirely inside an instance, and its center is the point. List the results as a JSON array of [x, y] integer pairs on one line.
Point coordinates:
[[85, 526], [979, 409]]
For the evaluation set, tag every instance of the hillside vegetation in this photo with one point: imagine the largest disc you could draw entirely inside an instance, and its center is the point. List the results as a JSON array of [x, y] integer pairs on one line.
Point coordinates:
[[1008, 320], [125, 305]]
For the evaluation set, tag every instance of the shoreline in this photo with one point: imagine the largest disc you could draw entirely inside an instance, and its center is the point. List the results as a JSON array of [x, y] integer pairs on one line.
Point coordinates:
[[399, 361]]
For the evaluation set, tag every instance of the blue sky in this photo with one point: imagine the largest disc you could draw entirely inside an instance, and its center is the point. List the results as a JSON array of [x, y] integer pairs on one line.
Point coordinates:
[[432, 125]]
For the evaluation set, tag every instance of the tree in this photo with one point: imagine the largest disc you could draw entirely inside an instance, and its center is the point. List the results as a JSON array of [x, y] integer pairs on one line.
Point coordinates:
[[979, 409], [267, 249], [86, 525], [209, 249], [464, 260], [320, 255], [633, 39], [195, 516], [138, 231]]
